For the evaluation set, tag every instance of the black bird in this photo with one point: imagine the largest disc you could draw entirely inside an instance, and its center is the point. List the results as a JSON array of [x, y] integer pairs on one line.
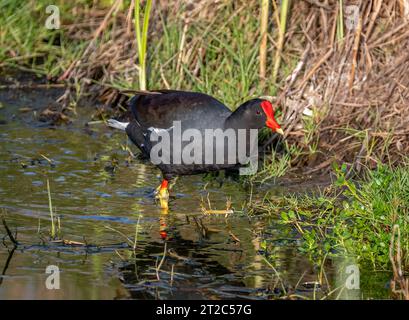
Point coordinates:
[[184, 133]]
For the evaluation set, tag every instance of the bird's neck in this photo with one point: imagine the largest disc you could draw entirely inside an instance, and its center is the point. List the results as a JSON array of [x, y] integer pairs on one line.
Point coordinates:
[[234, 120]]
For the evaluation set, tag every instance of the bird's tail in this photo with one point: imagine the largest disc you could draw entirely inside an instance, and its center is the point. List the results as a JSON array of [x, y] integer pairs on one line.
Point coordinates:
[[117, 125]]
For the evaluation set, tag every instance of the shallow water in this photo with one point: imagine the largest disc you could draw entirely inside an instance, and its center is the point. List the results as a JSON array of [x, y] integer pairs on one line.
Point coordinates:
[[210, 257]]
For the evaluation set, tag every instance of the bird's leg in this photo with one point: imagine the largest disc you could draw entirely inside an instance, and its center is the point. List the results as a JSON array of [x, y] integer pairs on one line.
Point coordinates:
[[163, 194], [171, 184]]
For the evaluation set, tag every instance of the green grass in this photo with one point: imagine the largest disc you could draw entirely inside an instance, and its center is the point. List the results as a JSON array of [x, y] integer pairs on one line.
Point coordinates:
[[228, 70], [355, 219], [27, 45], [274, 166]]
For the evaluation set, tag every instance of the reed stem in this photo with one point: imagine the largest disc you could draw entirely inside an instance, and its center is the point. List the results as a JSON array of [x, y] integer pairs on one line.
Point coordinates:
[[142, 39], [340, 24], [285, 4], [50, 205], [263, 44]]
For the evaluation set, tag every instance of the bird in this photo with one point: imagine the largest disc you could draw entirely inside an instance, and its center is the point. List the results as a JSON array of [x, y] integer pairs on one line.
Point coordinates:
[[181, 132]]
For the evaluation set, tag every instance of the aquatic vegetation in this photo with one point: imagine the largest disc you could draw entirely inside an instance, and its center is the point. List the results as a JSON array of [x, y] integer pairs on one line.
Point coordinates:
[[50, 206], [354, 218], [55, 230]]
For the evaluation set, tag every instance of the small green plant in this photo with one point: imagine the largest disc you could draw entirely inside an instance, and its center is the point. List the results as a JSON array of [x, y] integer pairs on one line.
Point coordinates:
[[274, 166], [357, 219]]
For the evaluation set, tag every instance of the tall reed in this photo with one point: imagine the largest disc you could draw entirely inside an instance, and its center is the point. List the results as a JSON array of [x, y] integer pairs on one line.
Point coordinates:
[[142, 39], [50, 205], [263, 44], [340, 21], [285, 5]]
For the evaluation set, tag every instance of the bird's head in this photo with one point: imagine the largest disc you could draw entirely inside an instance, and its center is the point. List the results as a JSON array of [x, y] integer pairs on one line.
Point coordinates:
[[259, 113]]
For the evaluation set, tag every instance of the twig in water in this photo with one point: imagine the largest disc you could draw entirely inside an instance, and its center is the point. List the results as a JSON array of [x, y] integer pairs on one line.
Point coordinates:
[[50, 161], [171, 275], [12, 238], [226, 212], [7, 264], [136, 232], [161, 262], [50, 205], [130, 242], [69, 242], [234, 237], [276, 273]]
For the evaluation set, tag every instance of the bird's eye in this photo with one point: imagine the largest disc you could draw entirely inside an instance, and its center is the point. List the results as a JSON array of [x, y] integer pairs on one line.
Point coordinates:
[[258, 112]]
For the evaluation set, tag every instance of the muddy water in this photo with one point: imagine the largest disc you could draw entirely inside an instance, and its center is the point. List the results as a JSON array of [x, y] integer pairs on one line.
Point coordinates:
[[103, 203]]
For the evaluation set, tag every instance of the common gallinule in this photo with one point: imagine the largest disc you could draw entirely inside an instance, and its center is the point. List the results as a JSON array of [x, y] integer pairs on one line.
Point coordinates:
[[190, 117]]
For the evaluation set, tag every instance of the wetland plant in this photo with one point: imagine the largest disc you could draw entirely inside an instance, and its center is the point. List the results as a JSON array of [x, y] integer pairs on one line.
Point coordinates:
[[353, 218]]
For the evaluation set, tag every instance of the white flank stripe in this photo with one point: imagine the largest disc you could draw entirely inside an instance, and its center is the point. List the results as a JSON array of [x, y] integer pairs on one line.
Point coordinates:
[[117, 125]]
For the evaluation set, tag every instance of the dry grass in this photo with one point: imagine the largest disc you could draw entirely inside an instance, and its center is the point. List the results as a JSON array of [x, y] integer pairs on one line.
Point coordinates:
[[358, 87], [399, 283]]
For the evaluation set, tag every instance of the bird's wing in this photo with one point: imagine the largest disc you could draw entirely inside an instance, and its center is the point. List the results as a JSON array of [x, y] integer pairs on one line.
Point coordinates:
[[160, 108]]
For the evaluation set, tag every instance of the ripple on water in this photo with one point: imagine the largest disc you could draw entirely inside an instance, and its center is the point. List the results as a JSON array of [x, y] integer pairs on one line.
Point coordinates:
[[29, 173], [60, 179]]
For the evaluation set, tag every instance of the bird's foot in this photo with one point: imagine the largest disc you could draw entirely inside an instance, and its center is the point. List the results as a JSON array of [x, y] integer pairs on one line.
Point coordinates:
[[162, 194]]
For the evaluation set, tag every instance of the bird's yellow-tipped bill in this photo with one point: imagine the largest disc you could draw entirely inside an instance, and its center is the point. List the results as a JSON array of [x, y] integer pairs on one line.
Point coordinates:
[[280, 131]]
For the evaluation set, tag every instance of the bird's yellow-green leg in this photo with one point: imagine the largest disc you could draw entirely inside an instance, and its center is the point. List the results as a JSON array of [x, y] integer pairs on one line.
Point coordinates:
[[163, 194]]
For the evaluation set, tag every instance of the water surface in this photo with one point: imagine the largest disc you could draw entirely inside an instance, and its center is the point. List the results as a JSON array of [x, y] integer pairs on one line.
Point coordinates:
[[103, 200]]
